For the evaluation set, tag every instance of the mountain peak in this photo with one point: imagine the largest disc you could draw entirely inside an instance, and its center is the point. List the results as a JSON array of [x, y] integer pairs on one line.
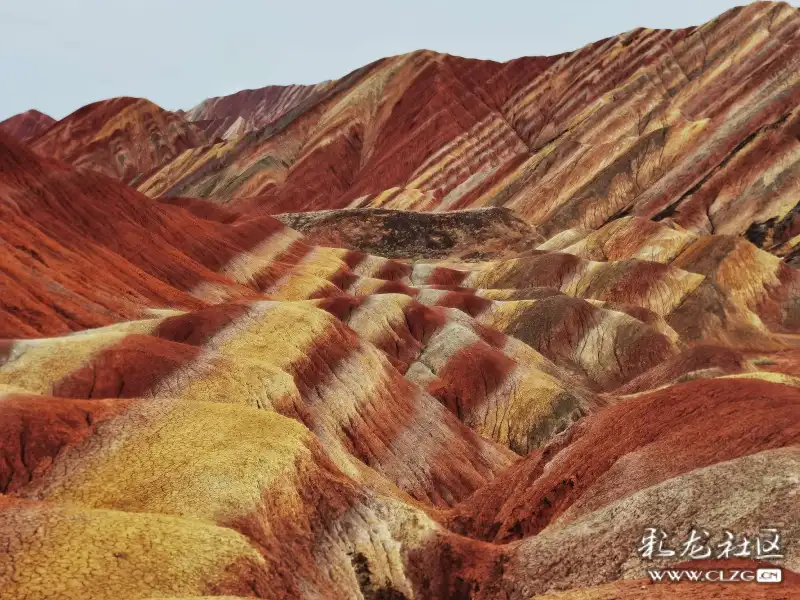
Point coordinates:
[[27, 125]]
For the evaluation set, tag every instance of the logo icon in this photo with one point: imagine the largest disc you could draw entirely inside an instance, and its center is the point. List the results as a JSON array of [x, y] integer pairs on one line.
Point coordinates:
[[769, 575]]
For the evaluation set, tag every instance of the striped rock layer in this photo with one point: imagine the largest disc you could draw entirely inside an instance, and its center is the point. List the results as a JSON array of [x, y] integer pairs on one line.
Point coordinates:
[[248, 110], [399, 400], [124, 138], [696, 127]]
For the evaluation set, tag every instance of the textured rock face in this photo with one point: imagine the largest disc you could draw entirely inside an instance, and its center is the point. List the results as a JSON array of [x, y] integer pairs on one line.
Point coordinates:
[[27, 125], [230, 116], [621, 127], [467, 234], [124, 138], [385, 398]]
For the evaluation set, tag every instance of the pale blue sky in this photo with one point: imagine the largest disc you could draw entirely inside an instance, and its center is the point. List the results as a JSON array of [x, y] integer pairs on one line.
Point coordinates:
[[57, 55]]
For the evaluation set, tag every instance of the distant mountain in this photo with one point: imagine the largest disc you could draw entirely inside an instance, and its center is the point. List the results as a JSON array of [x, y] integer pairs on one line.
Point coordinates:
[[122, 137], [695, 126], [27, 125], [248, 110]]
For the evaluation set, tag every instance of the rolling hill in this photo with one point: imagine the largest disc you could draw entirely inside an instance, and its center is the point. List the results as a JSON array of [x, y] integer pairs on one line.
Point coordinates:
[[441, 328]]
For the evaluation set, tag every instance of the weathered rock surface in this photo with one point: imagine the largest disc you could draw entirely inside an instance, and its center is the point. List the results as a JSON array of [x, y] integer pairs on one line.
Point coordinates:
[[442, 328], [124, 138]]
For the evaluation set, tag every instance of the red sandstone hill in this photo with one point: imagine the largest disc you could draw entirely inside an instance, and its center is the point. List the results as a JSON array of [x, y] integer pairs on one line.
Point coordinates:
[[537, 308], [122, 137], [249, 110], [623, 126], [27, 125]]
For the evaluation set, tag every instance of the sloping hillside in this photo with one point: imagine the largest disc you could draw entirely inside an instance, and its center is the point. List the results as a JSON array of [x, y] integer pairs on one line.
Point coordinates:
[[248, 110], [621, 127], [124, 138], [442, 328]]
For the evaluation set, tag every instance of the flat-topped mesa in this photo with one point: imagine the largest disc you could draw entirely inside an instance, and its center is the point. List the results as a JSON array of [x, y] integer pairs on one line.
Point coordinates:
[[473, 234]]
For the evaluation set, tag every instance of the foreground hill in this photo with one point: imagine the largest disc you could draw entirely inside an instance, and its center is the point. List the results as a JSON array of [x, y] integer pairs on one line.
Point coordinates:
[[388, 399], [432, 430]]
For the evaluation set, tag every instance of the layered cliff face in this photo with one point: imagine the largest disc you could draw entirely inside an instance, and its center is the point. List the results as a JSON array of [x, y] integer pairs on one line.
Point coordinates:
[[537, 308]]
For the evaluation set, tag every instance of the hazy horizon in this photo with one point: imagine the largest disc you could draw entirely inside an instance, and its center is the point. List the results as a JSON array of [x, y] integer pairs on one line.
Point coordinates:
[[57, 57]]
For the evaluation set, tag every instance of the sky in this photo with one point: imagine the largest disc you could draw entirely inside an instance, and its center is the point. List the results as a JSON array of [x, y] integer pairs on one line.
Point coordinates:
[[57, 56]]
